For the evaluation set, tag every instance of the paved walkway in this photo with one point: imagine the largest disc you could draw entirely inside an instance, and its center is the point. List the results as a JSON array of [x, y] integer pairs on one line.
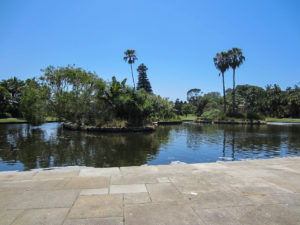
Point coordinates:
[[250, 192]]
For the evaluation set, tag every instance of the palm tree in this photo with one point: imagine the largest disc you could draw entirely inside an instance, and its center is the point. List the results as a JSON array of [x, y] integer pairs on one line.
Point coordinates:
[[221, 63], [130, 57], [236, 59]]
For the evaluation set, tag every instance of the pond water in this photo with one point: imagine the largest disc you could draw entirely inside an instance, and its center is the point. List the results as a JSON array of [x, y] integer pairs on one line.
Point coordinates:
[[24, 147]]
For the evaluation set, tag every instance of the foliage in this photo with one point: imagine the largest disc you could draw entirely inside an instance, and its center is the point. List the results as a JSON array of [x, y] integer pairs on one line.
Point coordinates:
[[73, 92], [236, 59], [130, 57], [236, 115], [4, 100], [254, 116], [188, 108], [143, 81], [163, 109], [15, 87], [178, 107], [210, 115], [221, 61], [34, 102], [193, 95]]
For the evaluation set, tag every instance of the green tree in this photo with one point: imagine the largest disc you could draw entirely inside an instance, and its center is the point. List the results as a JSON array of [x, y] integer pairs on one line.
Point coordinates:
[[236, 59], [188, 108], [130, 57], [294, 101], [143, 81], [34, 102], [4, 100], [73, 93], [178, 106], [222, 64], [193, 95], [15, 88], [251, 98]]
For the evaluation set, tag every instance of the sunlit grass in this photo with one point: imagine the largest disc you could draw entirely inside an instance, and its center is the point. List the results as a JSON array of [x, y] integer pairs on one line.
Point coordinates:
[[188, 117], [18, 120], [283, 120]]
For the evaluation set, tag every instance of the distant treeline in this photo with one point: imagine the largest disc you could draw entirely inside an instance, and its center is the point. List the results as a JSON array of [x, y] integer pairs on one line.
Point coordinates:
[[73, 94], [271, 102]]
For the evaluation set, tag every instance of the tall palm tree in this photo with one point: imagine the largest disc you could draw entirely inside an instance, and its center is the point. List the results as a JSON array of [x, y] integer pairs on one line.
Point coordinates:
[[221, 63], [236, 59], [130, 57]]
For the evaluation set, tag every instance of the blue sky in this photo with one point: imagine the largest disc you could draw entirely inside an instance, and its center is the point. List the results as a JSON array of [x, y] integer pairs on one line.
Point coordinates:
[[176, 40]]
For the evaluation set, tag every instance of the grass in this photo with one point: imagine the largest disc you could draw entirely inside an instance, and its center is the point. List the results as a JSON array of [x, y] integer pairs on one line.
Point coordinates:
[[283, 120], [12, 120], [188, 117], [19, 120]]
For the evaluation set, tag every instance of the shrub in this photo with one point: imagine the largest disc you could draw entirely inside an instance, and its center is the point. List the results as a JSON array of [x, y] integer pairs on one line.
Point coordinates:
[[236, 115], [210, 115], [254, 116]]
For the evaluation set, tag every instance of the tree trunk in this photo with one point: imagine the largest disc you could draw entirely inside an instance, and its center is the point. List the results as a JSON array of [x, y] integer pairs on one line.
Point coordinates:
[[132, 76], [224, 97], [233, 92]]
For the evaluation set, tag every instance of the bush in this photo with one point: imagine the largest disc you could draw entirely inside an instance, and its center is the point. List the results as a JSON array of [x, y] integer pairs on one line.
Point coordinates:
[[210, 115], [254, 116], [236, 115]]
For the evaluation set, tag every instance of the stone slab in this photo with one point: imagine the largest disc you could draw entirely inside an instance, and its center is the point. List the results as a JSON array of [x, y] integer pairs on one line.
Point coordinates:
[[162, 192], [86, 182], [139, 170], [136, 198], [13, 176], [48, 174], [97, 206], [126, 189], [8, 216], [100, 191], [163, 213], [163, 180], [44, 199], [54, 216], [218, 216], [132, 178], [95, 172], [95, 221]]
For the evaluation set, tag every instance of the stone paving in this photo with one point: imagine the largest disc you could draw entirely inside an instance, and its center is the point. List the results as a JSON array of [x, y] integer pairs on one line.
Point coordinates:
[[253, 192]]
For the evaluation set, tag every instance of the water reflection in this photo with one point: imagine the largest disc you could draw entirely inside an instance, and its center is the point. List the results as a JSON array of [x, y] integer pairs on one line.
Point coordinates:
[[24, 147]]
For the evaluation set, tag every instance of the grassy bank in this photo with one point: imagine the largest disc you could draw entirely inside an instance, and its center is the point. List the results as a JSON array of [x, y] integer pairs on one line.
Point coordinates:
[[19, 120], [283, 120], [188, 117]]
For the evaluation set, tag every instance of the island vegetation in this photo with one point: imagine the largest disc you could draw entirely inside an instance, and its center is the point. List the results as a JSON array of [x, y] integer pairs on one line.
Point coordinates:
[[82, 97]]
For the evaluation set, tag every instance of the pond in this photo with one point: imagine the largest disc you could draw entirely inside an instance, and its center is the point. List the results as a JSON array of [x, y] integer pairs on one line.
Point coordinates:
[[24, 147]]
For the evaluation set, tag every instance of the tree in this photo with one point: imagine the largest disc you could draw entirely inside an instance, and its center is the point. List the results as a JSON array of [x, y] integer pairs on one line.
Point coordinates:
[[222, 64], [4, 100], [193, 95], [178, 106], [236, 59], [143, 81], [15, 88], [34, 102], [130, 57], [73, 92], [188, 108]]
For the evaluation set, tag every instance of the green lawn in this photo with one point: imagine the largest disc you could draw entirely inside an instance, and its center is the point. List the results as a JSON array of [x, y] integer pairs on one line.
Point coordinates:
[[12, 120], [283, 120], [17, 120], [188, 117]]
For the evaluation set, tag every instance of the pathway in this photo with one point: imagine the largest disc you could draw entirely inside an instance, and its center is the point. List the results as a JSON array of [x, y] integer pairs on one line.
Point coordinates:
[[244, 192]]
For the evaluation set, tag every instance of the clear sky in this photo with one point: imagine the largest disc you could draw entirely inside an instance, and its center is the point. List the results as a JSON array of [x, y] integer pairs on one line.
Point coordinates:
[[175, 39]]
